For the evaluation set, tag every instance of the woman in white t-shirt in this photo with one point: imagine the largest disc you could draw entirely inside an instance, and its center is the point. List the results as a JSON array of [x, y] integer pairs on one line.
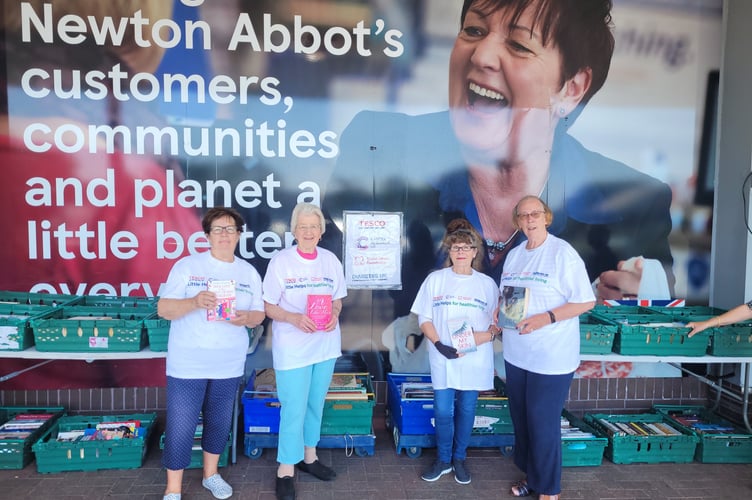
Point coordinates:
[[210, 298], [303, 290], [455, 308], [542, 351]]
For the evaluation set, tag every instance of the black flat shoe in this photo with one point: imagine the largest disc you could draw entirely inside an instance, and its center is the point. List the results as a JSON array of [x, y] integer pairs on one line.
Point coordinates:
[[317, 469], [285, 488]]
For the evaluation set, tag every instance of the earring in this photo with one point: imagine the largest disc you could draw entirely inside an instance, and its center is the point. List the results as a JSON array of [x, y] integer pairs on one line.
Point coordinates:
[[562, 111]]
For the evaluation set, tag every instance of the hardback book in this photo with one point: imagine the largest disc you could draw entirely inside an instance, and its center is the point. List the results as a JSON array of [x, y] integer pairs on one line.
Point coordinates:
[[319, 309], [345, 381], [513, 305], [461, 334], [225, 292]]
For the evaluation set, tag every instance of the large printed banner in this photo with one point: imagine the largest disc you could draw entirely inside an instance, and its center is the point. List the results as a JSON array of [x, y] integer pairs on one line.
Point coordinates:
[[125, 121]]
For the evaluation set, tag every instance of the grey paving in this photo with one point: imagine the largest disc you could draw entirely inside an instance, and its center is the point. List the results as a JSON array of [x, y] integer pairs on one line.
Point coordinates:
[[388, 476]]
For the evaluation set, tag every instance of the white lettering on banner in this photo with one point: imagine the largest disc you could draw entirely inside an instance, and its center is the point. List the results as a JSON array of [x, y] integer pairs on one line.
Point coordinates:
[[246, 194], [41, 193], [263, 140], [92, 243], [336, 40], [73, 29], [121, 289]]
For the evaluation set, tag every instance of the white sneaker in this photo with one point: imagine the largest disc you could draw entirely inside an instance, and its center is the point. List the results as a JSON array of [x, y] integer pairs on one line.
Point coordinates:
[[218, 486]]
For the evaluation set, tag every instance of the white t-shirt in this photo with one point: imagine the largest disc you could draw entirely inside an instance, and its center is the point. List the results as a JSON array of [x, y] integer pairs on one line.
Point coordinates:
[[555, 275], [446, 295], [289, 280], [197, 347]]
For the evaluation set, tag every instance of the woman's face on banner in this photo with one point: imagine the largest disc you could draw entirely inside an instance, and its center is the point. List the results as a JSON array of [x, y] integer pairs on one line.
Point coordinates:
[[504, 86]]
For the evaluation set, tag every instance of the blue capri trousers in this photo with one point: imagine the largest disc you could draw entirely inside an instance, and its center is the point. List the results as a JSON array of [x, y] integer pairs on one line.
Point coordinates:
[[187, 399]]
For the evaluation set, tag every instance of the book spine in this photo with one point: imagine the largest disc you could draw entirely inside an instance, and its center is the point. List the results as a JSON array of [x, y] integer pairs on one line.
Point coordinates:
[[613, 430]]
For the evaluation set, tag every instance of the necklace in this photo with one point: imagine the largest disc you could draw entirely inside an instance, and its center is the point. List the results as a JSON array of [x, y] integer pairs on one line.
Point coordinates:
[[497, 246]]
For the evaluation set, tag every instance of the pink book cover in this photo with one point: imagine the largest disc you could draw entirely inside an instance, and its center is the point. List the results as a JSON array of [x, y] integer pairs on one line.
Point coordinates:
[[225, 292], [319, 309]]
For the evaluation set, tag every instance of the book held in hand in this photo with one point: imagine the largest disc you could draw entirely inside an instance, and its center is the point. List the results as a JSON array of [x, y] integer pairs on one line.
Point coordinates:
[[461, 334], [513, 305], [225, 292], [319, 309]]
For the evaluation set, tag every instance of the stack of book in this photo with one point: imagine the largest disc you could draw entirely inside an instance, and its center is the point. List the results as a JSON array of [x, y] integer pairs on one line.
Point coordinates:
[[23, 425], [570, 431], [416, 390], [347, 386], [638, 428]]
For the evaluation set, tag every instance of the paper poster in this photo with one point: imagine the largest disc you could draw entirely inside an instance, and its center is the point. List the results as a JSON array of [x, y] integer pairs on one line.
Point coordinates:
[[373, 249]]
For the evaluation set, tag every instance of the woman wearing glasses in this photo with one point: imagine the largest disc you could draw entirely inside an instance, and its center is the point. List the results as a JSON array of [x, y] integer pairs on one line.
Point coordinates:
[[455, 302], [303, 290], [206, 351], [542, 351]]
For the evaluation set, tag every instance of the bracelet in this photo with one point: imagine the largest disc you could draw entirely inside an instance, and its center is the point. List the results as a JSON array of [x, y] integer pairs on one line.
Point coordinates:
[[551, 315]]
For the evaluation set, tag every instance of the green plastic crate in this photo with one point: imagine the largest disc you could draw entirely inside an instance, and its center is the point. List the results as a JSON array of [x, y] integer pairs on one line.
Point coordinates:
[[494, 408], [637, 335], [60, 456], [158, 333], [17, 453], [686, 312], [349, 416], [729, 446], [107, 329], [118, 301], [197, 455], [731, 340], [582, 451], [16, 331], [628, 449], [597, 334], [37, 299]]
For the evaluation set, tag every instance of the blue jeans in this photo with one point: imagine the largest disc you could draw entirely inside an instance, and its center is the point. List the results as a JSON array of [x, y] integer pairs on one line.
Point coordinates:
[[454, 414]]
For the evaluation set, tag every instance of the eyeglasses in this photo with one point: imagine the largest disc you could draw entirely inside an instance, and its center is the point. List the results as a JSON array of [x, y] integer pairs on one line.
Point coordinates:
[[458, 248], [534, 215], [223, 229], [312, 227]]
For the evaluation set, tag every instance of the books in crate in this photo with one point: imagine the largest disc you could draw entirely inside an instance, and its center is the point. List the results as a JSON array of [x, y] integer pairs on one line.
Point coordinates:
[[23, 425], [571, 431], [637, 428], [342, 386], [104, 431], [348, 386], [702, 425]]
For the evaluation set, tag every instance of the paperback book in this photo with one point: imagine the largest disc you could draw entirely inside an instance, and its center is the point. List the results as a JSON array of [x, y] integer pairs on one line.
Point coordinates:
[[461, 334], [225, 292], [319, 309], [513, 305]]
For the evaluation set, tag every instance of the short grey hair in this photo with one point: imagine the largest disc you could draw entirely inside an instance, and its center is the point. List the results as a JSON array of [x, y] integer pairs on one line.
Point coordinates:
[[307, 209]]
